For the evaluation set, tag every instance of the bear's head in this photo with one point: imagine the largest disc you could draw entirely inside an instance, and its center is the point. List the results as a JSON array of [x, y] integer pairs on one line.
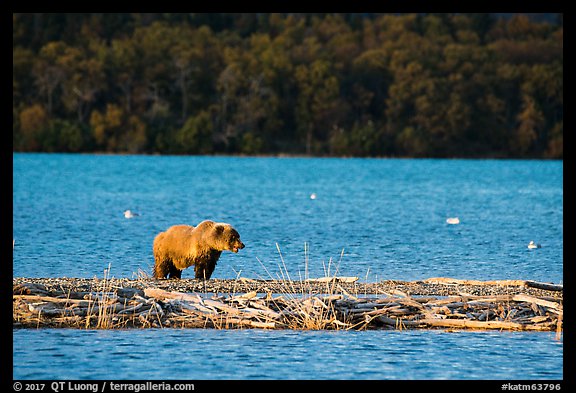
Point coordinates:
[[226, 238]]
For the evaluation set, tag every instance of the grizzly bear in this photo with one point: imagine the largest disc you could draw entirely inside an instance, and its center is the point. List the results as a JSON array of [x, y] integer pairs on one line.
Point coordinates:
[[182, 246]]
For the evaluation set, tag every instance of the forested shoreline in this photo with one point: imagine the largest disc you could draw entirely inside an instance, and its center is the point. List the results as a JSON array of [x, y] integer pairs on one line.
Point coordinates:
[[378, 85]]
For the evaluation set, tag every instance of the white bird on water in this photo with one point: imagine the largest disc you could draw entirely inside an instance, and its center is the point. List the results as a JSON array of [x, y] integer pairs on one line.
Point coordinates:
[[130, 214], [313, 195], [533, 245], [453, 220]]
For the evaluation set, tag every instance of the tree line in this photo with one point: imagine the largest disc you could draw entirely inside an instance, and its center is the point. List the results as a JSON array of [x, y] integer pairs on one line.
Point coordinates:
[[408, 85]]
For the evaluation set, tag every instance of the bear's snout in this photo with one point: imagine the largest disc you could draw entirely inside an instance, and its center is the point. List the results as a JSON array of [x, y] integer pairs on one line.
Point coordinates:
[[237, 246]]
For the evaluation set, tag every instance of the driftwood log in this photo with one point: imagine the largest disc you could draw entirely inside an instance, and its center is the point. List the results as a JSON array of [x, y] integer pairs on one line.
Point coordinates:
[[519, 283], [110, 304]]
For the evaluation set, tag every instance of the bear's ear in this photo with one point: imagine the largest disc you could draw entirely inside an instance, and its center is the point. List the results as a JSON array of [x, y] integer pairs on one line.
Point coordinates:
[[219, 229]]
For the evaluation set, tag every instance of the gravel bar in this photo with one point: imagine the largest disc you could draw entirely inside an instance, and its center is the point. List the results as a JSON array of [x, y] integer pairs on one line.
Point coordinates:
[[243, 285]]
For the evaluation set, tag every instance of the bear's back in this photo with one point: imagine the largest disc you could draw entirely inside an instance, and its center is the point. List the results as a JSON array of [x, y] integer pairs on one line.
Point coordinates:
[[180, 230], [175, 242]]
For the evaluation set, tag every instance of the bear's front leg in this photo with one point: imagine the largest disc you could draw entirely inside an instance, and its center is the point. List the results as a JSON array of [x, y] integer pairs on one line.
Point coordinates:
[[202, 272], [175, 272]]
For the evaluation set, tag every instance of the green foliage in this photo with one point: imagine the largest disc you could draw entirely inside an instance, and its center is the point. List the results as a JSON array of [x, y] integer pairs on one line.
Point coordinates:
[[65, 136], [363, 140], [424, 85], [195, 137], [251, 144]]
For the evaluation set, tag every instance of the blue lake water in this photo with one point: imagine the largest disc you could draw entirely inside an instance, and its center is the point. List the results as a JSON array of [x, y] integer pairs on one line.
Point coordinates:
[[372, 218], [262, 354], [388, 216]]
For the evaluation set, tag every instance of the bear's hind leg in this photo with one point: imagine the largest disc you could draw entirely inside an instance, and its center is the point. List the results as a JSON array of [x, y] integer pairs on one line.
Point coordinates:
[[162, 268]]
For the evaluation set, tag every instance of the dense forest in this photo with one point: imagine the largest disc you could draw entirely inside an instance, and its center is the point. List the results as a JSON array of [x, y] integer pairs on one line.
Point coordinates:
[[405, 85]]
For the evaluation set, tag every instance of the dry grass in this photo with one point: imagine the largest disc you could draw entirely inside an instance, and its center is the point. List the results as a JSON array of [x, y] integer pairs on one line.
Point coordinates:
[[302, 309]]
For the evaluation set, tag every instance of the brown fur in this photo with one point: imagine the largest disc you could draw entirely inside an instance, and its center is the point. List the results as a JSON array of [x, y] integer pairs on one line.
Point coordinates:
[[182, 246]]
